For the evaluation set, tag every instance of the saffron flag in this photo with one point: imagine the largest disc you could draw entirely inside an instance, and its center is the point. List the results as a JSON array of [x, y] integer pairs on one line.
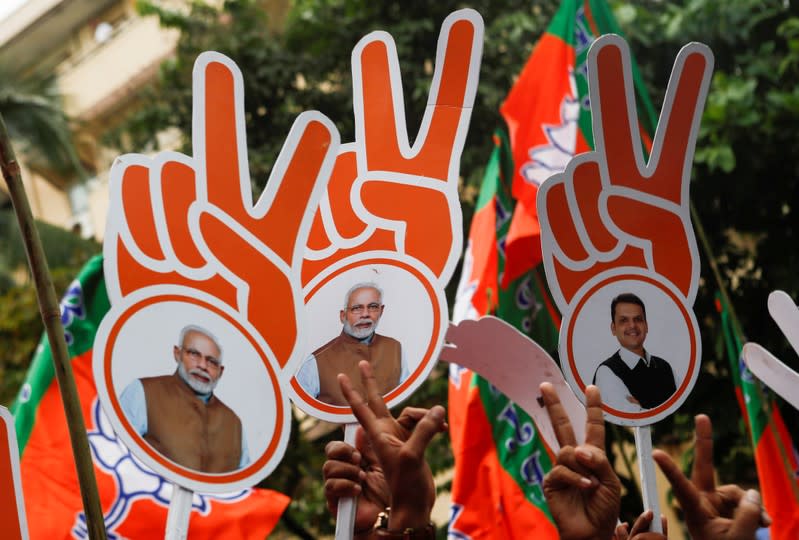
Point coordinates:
[[776, 457], [134, 499], [500, 461], [549, 117]]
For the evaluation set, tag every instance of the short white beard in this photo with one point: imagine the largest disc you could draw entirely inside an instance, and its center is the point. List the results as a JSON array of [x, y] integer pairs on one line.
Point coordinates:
[[360, 333], [198, 386]]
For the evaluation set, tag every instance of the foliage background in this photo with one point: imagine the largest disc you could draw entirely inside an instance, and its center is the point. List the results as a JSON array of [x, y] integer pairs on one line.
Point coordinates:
[[745, 185]]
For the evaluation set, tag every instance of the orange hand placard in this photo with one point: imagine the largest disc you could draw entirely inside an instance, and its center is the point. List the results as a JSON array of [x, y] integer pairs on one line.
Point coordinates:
[[391, 213], [384, 194], [191, 220], [613, 223], [200, 274]]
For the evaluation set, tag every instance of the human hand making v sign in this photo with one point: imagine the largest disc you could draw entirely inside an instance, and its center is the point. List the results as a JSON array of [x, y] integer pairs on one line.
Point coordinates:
[[582, 490], [398, 445]]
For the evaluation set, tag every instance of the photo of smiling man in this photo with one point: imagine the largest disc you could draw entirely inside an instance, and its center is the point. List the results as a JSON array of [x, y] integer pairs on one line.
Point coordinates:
[[180, 416], [632, 379], [363, 307]]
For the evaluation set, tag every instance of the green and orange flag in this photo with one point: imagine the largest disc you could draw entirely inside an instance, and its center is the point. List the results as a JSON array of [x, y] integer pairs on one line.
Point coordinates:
[[776, 456], [134, 499], [500, 460], [549, 117]]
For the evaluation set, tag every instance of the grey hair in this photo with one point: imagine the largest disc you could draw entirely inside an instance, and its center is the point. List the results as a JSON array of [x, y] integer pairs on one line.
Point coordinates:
[[200, 330], [363, 285]]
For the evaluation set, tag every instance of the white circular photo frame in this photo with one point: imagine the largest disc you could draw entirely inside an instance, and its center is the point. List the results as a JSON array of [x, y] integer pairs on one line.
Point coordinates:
[[136, 339], [672, 338], [414, 315]]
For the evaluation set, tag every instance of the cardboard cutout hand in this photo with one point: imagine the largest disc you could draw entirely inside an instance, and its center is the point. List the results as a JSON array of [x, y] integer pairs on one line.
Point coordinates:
[[610, 209], [514, 364], [767, 367], [190, 220], [384, 194]]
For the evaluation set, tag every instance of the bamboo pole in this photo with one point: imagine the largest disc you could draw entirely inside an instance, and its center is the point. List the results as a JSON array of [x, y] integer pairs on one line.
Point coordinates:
[[51, 316]]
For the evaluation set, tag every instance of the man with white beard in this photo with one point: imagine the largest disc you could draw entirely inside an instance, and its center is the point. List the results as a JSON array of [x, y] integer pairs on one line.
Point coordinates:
[[179, 415], [363, 307]]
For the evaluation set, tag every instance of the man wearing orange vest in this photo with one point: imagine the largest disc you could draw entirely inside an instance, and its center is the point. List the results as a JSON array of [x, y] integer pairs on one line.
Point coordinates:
[[180, 416], [363, 307]]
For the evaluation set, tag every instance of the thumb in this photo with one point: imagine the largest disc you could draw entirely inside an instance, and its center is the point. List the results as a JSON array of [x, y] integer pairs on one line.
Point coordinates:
[[746, 519]]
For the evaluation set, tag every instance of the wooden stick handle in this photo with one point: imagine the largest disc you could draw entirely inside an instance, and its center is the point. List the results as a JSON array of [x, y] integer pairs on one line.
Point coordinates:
[[51, 316]]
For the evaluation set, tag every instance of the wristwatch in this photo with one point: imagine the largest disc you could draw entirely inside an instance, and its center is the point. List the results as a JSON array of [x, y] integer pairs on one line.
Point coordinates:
[[427, 532]]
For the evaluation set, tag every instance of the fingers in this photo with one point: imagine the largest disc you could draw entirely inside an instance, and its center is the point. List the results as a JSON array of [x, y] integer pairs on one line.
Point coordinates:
[[562, 477], [341, 451], [410, 416], [684, 490], [342, 473], [595, 461], [702, 474], [221, 139], [682, 110], [615, 120], [429, 239], [380, 121], [298, 178], [360, 409], [747, 517], [373, 396], [594, 422], [642, 523], [337, 488], [432, 423], [179, 191], [246, 258], [346, 472], [640, 530], [557, 416]]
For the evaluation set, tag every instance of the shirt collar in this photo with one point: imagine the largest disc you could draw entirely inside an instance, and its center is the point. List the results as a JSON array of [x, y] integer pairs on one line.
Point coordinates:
[[630, 358]]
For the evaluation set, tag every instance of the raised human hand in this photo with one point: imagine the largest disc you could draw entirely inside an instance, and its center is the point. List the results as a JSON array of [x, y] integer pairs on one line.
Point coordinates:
[[712, 513], [386, 195], [191, 221], [399, 445], [610, 209], [582, 490]]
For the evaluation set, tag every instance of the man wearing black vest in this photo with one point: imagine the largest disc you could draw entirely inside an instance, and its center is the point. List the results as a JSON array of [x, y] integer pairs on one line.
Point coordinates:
[[632, 379], [363, 307], [180, 416]]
